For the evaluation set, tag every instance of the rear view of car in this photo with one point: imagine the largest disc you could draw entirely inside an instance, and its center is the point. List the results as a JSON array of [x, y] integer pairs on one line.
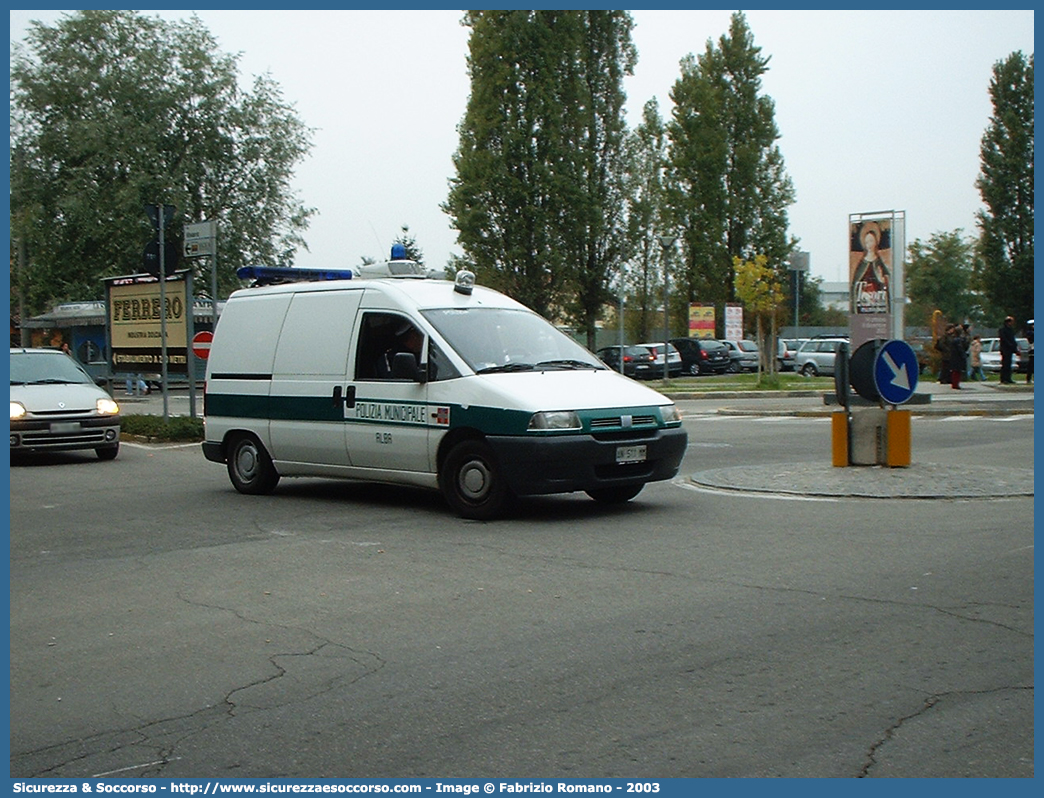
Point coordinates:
[[637, 361], [674, 359], [56, 406], [743, 355], [702, 355], [785, 354]]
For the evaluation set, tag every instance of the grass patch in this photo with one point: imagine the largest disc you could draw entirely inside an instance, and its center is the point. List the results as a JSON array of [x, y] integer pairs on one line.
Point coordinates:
[[786, 381], [175, 429]]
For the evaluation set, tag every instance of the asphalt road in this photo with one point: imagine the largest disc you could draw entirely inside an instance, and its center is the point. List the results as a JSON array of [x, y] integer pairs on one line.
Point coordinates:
[[163, 625]]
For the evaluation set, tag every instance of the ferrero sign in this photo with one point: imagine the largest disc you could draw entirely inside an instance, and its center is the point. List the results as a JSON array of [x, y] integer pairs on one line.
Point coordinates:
[[136, 319]]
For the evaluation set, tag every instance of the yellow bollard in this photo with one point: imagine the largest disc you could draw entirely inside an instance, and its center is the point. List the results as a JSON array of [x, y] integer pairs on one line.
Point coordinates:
[[839, 430], [898, 438]]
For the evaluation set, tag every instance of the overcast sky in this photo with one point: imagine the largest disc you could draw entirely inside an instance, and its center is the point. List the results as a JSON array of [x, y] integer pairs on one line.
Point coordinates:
[[878, 110]]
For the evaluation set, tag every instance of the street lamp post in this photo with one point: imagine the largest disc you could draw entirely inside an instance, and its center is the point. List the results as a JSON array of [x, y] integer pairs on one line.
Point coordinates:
[[666, 243]]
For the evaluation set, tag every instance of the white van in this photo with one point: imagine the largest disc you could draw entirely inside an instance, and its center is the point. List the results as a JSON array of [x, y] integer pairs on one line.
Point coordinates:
[[424, 382]]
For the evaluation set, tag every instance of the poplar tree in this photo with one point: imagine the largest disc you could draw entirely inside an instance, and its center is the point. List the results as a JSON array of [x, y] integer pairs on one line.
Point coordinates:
[[647, 161], [1006, 185], [729, 190], [537, 194]]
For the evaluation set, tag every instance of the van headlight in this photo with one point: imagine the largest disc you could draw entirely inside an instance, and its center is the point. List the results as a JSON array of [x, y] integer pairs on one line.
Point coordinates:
[[17, 410], [107, 407], [670, 414], [556, 420]]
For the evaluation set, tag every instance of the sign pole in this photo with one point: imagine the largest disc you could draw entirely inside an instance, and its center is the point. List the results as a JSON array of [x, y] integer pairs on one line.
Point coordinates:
[[163, 316], [213, 281], [190, 332], [666, 243]]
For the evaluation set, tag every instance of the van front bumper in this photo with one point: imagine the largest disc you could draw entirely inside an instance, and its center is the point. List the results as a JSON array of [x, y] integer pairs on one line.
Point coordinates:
[[533, 466]]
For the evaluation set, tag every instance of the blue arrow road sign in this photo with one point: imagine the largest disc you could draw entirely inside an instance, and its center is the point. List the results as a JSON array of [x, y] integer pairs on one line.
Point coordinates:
[[895, 372]]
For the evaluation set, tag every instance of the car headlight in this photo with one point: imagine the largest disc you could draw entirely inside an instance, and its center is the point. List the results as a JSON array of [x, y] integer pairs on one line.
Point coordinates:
[[556, 420], [17, 410], [670, 414], [107, 407]]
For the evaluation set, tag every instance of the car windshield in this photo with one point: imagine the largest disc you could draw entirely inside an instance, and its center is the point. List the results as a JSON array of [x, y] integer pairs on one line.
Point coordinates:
[[748, 346], [502, 339], [712, 346], [43, 368]]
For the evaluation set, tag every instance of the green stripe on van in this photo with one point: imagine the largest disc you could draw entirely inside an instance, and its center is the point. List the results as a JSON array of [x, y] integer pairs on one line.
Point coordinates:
[[490, 420]]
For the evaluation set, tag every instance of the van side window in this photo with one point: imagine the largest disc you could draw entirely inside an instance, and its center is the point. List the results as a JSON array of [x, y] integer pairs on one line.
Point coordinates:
[[381, 335]]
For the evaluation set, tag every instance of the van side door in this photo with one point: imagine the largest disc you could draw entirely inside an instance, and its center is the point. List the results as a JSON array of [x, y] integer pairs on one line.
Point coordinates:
[[386, 409], [306, 413]]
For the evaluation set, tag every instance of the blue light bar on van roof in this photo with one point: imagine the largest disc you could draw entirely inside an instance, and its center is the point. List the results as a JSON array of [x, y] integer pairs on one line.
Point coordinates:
[[266, 275]]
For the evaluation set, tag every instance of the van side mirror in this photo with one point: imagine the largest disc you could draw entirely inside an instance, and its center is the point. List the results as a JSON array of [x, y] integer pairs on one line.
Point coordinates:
[[404, 367]]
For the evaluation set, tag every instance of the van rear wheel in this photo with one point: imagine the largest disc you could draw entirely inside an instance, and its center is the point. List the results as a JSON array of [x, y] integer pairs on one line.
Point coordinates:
[[250, 467], [472, 482]]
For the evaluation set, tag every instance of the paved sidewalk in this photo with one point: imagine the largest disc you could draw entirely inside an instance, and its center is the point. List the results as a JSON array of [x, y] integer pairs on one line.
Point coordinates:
[[930, 398], [918, 481]]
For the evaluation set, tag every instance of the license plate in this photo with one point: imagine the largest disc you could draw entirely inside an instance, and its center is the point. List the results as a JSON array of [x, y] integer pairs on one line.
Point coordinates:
[[630, 454], [65, 427]]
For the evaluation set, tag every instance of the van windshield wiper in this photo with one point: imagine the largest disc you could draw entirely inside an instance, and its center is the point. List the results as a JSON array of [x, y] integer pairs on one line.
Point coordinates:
[[566, 364], [51, 381], [505, 368]]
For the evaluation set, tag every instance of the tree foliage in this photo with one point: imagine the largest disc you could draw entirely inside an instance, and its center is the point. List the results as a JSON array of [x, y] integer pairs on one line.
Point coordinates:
[[759, 289], [729, 188], [537, 197], [939, 277], [112, 110], [1006, 185], [409, 243], [646, 150]]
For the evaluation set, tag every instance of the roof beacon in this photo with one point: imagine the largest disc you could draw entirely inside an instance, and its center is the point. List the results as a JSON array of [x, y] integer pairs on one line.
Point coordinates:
[[464, 283]]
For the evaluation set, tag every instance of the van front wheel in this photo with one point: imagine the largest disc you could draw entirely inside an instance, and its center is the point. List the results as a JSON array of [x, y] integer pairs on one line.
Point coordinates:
[[472, 483], [249, 466]]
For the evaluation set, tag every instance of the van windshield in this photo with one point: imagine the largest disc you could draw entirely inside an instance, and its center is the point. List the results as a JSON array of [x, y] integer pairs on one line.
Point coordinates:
[[500, 339]]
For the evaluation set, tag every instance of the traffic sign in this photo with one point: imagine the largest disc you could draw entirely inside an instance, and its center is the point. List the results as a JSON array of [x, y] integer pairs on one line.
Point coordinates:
[[200, 239], [201, 344], [150, 259], [895, 372], [153, 212]]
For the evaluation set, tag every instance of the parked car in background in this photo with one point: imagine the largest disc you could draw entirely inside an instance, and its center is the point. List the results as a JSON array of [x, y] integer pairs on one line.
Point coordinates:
[[785, 355], [56, 406], [702, 355], [817, 355], [674, 360], [743, 355], [991, 355], [637, 361]]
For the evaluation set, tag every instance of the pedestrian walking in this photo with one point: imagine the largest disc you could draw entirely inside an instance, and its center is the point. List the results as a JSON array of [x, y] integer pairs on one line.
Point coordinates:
[[1008, 347], [1029, 363], [975, 371]]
